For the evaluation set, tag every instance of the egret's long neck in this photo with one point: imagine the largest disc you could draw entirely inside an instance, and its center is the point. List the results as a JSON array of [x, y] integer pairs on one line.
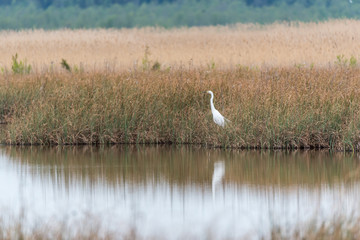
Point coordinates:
[[212, 102]]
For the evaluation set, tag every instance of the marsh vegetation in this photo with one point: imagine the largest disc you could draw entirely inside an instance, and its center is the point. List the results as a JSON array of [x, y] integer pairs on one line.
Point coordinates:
[[228, 47], [282, 86], [279, 107]]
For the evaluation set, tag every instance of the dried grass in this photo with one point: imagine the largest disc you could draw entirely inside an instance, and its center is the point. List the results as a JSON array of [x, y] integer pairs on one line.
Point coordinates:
[[275, 45], [256, 72], [269, 108]]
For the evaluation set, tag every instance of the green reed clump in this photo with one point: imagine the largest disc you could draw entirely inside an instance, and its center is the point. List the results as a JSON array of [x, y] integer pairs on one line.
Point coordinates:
[[268, 108], [64, 64], [20, 67]]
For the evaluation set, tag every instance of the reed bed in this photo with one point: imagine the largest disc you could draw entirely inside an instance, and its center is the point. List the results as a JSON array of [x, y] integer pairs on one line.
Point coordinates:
[[289, 85], [285, 107], [275, 45]]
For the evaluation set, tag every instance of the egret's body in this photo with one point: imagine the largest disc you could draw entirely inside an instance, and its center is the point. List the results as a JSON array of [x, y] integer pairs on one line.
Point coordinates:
[[218, 118]]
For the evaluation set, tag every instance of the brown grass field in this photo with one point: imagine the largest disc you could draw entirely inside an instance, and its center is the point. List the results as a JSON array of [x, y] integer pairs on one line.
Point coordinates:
[[276, 45], [282, 86]]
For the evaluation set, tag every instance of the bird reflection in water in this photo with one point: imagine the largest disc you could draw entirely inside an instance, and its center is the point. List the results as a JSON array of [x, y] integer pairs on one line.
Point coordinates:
[[218, 175]]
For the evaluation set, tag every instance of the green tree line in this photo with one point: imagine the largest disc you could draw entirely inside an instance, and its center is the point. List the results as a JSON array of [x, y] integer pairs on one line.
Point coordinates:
[[53, 14], [87, 3]]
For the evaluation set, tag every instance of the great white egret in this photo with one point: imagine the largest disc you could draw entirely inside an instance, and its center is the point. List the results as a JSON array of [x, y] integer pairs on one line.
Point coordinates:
[[218, 118]]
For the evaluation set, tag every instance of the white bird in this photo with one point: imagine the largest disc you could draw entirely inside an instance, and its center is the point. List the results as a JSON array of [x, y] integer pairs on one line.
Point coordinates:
[[218, 118]]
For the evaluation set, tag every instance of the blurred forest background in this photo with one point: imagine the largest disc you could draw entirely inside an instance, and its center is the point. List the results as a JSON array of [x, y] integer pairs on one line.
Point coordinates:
[[54, 14]]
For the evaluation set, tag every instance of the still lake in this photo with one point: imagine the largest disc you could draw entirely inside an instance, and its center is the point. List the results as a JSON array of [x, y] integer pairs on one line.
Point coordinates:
[[178, 191]]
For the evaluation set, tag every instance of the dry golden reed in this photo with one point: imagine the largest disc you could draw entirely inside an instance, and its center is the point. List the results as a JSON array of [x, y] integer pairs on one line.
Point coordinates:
[[286, 107], [282, 85], [277, 45]]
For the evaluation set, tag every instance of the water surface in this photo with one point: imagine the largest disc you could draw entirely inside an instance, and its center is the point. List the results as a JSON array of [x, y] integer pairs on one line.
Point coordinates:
[[177, 192]]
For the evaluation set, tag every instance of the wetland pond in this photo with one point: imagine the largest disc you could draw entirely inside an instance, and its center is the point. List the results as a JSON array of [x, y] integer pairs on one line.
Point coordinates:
[[177, 192]]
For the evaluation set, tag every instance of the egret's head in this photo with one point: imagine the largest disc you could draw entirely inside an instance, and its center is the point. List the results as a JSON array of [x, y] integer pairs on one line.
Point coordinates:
[[209, 92]]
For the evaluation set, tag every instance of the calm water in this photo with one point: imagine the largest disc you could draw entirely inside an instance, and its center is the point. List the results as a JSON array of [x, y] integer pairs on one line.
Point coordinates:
[[178, 191]]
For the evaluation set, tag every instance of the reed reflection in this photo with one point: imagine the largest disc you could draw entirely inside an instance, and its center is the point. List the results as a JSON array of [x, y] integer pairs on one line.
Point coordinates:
[[165, 187], [183, 166]]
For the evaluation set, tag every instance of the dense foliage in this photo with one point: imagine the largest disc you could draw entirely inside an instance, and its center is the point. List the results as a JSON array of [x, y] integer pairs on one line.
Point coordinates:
[[88, 3], [51, 14]]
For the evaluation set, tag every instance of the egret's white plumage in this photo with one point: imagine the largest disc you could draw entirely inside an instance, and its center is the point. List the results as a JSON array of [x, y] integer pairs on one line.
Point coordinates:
[[218, 118]]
